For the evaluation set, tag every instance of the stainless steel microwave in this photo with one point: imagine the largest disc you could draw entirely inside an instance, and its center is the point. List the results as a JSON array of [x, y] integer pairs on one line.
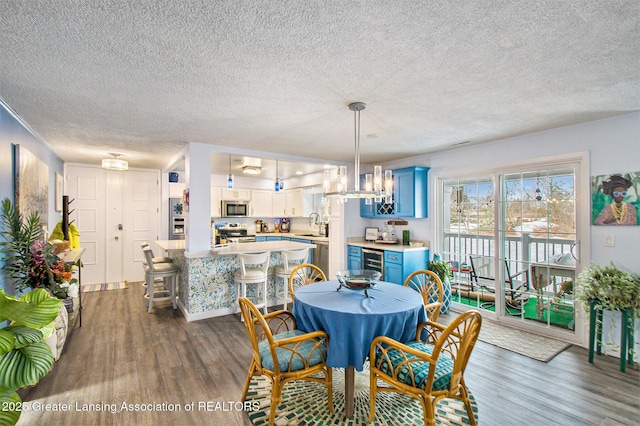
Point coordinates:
[[235, 209]]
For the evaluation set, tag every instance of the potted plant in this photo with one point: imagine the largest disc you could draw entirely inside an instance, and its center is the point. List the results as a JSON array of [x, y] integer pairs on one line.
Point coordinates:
[[29, 261], [611, 288], [443, 270], [24, 357]]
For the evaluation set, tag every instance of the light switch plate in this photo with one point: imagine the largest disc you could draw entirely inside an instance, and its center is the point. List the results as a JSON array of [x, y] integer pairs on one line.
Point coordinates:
[[609, 241]]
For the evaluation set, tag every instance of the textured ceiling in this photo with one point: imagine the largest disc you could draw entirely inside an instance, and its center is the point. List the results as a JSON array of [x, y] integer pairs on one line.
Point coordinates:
[[143, 78]]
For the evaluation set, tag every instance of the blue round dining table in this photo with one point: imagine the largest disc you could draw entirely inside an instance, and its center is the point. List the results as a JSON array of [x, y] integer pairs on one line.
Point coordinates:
[[352, 320]]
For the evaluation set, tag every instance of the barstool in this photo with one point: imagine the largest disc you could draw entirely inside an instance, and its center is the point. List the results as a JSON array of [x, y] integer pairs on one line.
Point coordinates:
[[169, 274], [290, 259], [154, 259], [254, 275]]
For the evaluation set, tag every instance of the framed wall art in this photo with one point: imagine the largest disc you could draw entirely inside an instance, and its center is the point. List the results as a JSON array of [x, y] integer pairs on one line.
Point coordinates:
[[615, 199], [31, 184]]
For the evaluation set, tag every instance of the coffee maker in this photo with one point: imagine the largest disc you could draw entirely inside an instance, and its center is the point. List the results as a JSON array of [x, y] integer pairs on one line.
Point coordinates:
[[284, 224]]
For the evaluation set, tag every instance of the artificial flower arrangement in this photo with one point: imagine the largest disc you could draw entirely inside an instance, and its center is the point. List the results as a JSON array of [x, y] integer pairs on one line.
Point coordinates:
[[30, 261]]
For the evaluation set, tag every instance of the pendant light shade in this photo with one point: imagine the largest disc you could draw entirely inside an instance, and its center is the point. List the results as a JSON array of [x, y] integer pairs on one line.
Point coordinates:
[[230, 176], [278, 185], [373, 183], [114, 163]]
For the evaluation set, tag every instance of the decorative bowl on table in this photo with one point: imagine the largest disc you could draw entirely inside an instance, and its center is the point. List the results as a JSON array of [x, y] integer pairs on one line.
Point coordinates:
[[358, 279]]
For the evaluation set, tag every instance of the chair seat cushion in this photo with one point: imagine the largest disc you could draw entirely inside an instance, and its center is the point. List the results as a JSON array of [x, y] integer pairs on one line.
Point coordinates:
[[444, 367], [284, 355], [252, 274], [162, 267]]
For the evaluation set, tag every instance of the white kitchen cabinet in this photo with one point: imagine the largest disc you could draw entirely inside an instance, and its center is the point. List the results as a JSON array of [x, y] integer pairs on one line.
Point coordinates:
[[261, 203], [294, 201], [279, 204], [176, 190], [216, 201], [236, 194]]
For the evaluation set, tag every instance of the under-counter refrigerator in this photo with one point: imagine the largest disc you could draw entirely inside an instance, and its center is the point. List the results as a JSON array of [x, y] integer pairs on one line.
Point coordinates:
[[176, 219]]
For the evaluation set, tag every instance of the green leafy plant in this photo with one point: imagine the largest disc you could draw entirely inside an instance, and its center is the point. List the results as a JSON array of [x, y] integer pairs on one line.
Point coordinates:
[[612, 288], [24, 357], [27, 258], [441, 268]]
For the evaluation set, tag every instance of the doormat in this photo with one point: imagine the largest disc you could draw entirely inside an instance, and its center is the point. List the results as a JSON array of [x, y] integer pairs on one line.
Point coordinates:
[[305, 403], [106, 286], [521, 342]]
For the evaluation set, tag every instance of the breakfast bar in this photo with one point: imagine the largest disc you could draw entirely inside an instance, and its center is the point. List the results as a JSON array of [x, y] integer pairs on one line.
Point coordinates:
[[205, 283]]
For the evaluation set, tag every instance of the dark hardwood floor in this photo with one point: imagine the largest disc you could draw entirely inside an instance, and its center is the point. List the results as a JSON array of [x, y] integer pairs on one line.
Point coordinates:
[[121, 354]]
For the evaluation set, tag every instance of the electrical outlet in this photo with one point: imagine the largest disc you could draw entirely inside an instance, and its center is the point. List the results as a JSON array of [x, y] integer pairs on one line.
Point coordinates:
[[609, 241]]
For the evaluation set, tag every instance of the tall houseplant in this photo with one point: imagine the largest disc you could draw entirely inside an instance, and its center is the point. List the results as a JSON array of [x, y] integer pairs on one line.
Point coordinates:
[[443, 270], [27, 258], [24, 357]]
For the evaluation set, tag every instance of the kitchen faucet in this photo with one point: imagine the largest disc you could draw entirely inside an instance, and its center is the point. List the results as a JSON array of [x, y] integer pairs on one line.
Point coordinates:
[[313, 222]]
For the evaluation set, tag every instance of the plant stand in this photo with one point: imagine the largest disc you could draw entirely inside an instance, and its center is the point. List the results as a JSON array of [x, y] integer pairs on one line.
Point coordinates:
[[626, 334], [446, 296]]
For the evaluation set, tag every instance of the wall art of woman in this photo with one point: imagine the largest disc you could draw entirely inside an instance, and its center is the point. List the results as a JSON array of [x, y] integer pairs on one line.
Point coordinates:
[[619, 212]]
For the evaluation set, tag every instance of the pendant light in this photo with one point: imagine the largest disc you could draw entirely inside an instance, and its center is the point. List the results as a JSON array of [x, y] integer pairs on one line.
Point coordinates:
[[114, 163], [373, 183], [278, 184], [229, 176]]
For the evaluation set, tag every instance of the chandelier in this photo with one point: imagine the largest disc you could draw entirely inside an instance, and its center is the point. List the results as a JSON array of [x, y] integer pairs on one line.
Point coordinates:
[[373, 183]]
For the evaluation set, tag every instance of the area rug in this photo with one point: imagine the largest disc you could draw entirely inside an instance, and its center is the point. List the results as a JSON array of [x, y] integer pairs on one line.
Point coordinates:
[[106, 286], [522, 342], [305, 403]]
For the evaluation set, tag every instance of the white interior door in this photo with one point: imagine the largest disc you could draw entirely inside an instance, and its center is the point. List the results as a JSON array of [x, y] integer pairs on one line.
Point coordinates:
[[86, 187], [141, 218], [115, 212]]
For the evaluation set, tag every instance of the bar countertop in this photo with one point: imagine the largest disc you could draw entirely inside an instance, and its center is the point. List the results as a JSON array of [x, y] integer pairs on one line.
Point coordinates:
[[238, 248]]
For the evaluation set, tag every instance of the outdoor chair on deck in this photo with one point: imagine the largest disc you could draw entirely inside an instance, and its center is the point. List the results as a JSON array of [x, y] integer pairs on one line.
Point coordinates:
[[283, 353], [428, 369]]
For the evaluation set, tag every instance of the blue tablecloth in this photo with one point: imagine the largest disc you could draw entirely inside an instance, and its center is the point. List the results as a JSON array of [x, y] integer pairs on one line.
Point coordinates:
[[352, 320]]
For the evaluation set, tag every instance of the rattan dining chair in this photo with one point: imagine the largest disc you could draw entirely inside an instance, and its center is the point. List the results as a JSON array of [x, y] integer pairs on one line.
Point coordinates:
[[283, 353], [430, 368], [304, 274], [429, 285]]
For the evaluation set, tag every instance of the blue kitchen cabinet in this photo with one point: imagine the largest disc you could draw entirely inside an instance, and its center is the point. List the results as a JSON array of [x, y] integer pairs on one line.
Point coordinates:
[[398, 265], [409, 195], [410, 192], [260, 239], [354, 257]]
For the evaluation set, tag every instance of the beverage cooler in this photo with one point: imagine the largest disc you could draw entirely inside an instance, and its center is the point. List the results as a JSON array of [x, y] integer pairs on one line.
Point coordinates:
[[177, 227]]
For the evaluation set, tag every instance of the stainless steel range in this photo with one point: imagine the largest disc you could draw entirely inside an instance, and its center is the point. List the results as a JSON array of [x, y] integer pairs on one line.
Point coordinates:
[[236, 233]]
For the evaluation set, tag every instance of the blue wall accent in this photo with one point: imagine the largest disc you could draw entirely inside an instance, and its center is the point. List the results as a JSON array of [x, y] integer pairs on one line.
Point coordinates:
[[12, 132]]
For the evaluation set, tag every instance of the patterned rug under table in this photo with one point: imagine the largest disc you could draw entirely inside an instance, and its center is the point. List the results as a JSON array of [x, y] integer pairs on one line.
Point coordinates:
[[305, 403]]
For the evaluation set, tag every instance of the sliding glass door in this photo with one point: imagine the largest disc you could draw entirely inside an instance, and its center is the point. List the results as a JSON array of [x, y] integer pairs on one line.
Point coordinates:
[[538, 232], [520, 266]]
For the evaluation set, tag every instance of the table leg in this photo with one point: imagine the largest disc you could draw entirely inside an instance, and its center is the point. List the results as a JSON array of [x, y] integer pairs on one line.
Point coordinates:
[[349, 378]]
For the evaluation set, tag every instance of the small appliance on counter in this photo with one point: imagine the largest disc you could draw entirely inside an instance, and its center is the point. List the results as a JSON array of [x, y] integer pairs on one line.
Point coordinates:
[[284, 224]]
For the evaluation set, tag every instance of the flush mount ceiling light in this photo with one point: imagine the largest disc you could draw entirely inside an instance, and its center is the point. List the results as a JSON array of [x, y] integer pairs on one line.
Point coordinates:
[[114, 163], [372, 184], [251, 170]]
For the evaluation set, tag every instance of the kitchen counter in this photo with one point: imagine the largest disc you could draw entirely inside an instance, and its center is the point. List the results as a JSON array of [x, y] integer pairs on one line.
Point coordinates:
[[380, 246], [171, 245], [238, 248], [302, 235]]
